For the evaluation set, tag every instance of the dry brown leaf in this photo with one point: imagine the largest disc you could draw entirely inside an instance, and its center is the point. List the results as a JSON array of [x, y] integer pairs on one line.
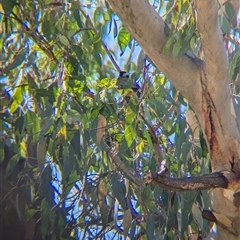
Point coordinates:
[[102, 190], [102, 123], [193, 123], [127, 219], [102, 193], [197, 214]]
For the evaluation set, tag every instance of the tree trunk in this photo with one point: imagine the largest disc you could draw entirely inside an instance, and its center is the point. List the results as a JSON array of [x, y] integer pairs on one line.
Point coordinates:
[[206, 86]]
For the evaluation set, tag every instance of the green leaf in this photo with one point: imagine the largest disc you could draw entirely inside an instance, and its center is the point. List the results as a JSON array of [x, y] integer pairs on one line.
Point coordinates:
[[45, 212], [230, 11], [77, 17], [78, 50], [46, 185], [185, 150], [60, 220], [18, 60], [123, 39], [73, 67], [19, 124], [79, 53], [46, 29], [133, 229], [190, 32], [148, 196], [203, 144], [66, 163], [71, 181], [186, 201], [150, 226], [93, 129], [98, 58], [129, 134], [193, 43], [158, 107], [225, 25], [147, 136], [103, 82], [106, 16], [28, 215], [63, 40], [130, 116], [98, 15], [177, 46], [234, 63], [33, 124], [47, 127], [8, 5], [168, 125], [79, 77], [44, 93], [115, 29], [1, 150], [119, 190], [167, 97], [17, 99], [12, 163], [74, 115], [175, 17], [168, 44]]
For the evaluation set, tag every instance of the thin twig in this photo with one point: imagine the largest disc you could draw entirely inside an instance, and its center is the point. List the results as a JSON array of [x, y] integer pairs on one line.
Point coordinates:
[[104, 45], [47, 48], [172, 107], [155, 141], [127, 170]]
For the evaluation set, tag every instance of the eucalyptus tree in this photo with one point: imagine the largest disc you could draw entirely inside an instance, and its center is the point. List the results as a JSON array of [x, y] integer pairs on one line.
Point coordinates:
[[119, 119]]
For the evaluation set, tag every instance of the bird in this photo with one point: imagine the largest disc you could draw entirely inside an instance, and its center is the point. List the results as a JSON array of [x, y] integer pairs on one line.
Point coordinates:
[[124, 82]]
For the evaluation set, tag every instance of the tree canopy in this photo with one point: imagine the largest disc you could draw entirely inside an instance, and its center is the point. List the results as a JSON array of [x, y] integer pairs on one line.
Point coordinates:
[[85, 156]]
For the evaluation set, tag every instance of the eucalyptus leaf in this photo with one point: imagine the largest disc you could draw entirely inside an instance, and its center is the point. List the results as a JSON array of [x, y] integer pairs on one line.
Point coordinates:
[[119, 190], [123, 39], [12, 163], [150, 227]]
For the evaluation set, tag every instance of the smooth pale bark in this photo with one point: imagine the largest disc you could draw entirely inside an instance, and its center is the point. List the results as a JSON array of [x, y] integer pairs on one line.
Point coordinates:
[[207, 90], [217, 114], [219, 118]]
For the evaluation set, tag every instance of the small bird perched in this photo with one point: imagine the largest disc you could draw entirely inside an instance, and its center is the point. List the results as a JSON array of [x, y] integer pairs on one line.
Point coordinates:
[[124, 82]]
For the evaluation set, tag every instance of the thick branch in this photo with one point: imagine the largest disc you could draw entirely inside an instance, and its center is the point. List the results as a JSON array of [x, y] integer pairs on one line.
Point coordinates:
[[149, 30], [208, 215], [207, 181], [215, 56]]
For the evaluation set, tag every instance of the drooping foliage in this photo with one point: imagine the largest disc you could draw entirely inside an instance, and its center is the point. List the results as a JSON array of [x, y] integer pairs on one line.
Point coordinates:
[[74, 147]]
